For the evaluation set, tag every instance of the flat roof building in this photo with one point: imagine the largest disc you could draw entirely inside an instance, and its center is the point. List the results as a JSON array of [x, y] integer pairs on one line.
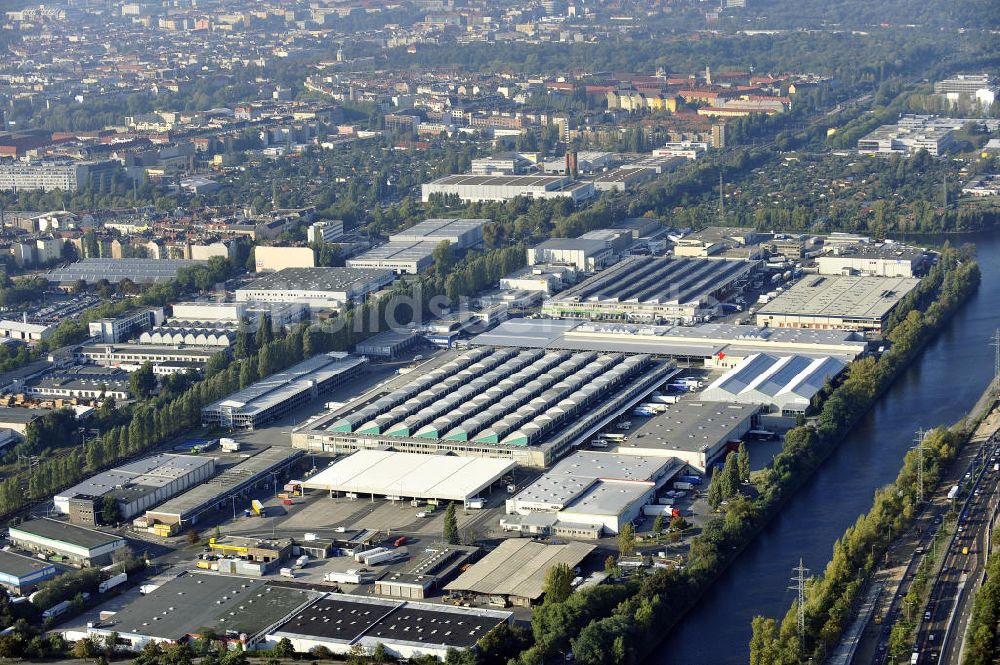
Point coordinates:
[[844, 302], [877, 260], [217, 493], [586, 255], [462, 233], [114, 355], [405, 629], [515, 571], [135, 486], [715, 344], [697, 433], [386, 473], [276, 395], [474, 188], [316, 287], [589, 494], [386, 344], [139, 271], [530, 406], [80, 546], [237, 609], [22, 574], [653, 289], [788, 384], [400, 256]]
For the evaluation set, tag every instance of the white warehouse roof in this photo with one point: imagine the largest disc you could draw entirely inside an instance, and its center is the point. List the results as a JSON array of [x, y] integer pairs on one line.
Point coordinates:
[[411, 475], [788, 382]]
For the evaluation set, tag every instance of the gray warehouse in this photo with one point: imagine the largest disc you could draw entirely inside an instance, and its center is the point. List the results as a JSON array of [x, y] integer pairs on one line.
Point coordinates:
[[647, 288], [841, 302], [80, 546], [231, 485], [140, 271], [461, 233], [317, 287], [279, 393], [136, 486]]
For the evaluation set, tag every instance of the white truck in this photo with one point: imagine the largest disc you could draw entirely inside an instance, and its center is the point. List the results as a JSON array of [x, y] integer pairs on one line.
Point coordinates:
[[386, 557], [112, 582], [349, 577], [56, 610]]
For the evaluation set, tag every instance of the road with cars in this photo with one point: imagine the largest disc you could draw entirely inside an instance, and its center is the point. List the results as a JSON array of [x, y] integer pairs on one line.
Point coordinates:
[[947, 615], [942, 622]]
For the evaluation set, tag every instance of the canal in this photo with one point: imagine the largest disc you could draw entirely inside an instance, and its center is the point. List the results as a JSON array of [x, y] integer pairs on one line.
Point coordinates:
[[939, 389]]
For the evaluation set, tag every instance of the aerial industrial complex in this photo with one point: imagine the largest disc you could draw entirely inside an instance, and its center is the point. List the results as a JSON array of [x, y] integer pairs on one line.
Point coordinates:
[[530, 406]]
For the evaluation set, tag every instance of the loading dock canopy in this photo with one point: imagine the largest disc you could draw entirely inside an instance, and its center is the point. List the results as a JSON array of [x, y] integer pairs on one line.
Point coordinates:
[[411, 475]]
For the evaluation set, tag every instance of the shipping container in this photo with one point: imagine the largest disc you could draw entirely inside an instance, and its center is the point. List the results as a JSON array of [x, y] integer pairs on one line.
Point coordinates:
[[302, 561], [476, 503], [682, 485], [257, 507], [400, 541], [286, 502], [286, 572], [953, 492]]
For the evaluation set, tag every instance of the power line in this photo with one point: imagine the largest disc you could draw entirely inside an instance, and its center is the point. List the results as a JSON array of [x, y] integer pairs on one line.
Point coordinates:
[[799, 586], [995, 343]]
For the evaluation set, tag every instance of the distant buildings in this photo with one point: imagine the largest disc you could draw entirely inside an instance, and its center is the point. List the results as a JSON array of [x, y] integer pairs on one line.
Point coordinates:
[[917, 132], [49, 176], [267, 257], [474, 188], [983, 185]]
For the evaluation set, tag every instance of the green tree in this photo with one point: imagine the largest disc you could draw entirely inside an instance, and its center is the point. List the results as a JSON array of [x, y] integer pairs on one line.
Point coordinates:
[[142, 382], [626, 539], [265, 333], [451, 535], [283, 649], [110, 512], [558, 583], [743, 462], [658, 524]]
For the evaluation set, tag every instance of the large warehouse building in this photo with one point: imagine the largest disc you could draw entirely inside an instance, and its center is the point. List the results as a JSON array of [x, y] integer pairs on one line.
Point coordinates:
[[398, 476], [405, 629], [590, 494], [531, 406], [77, 545], [788, 384], [461, 233], [844, 302], [238, 609], [223, 491], [515, 571], [317, 287], [135, 486], [716, 344], [879, 260], [697, 433], [473, 188], [647, 288], [279, 393], [21, 574], [139, 271], [401, 257]]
